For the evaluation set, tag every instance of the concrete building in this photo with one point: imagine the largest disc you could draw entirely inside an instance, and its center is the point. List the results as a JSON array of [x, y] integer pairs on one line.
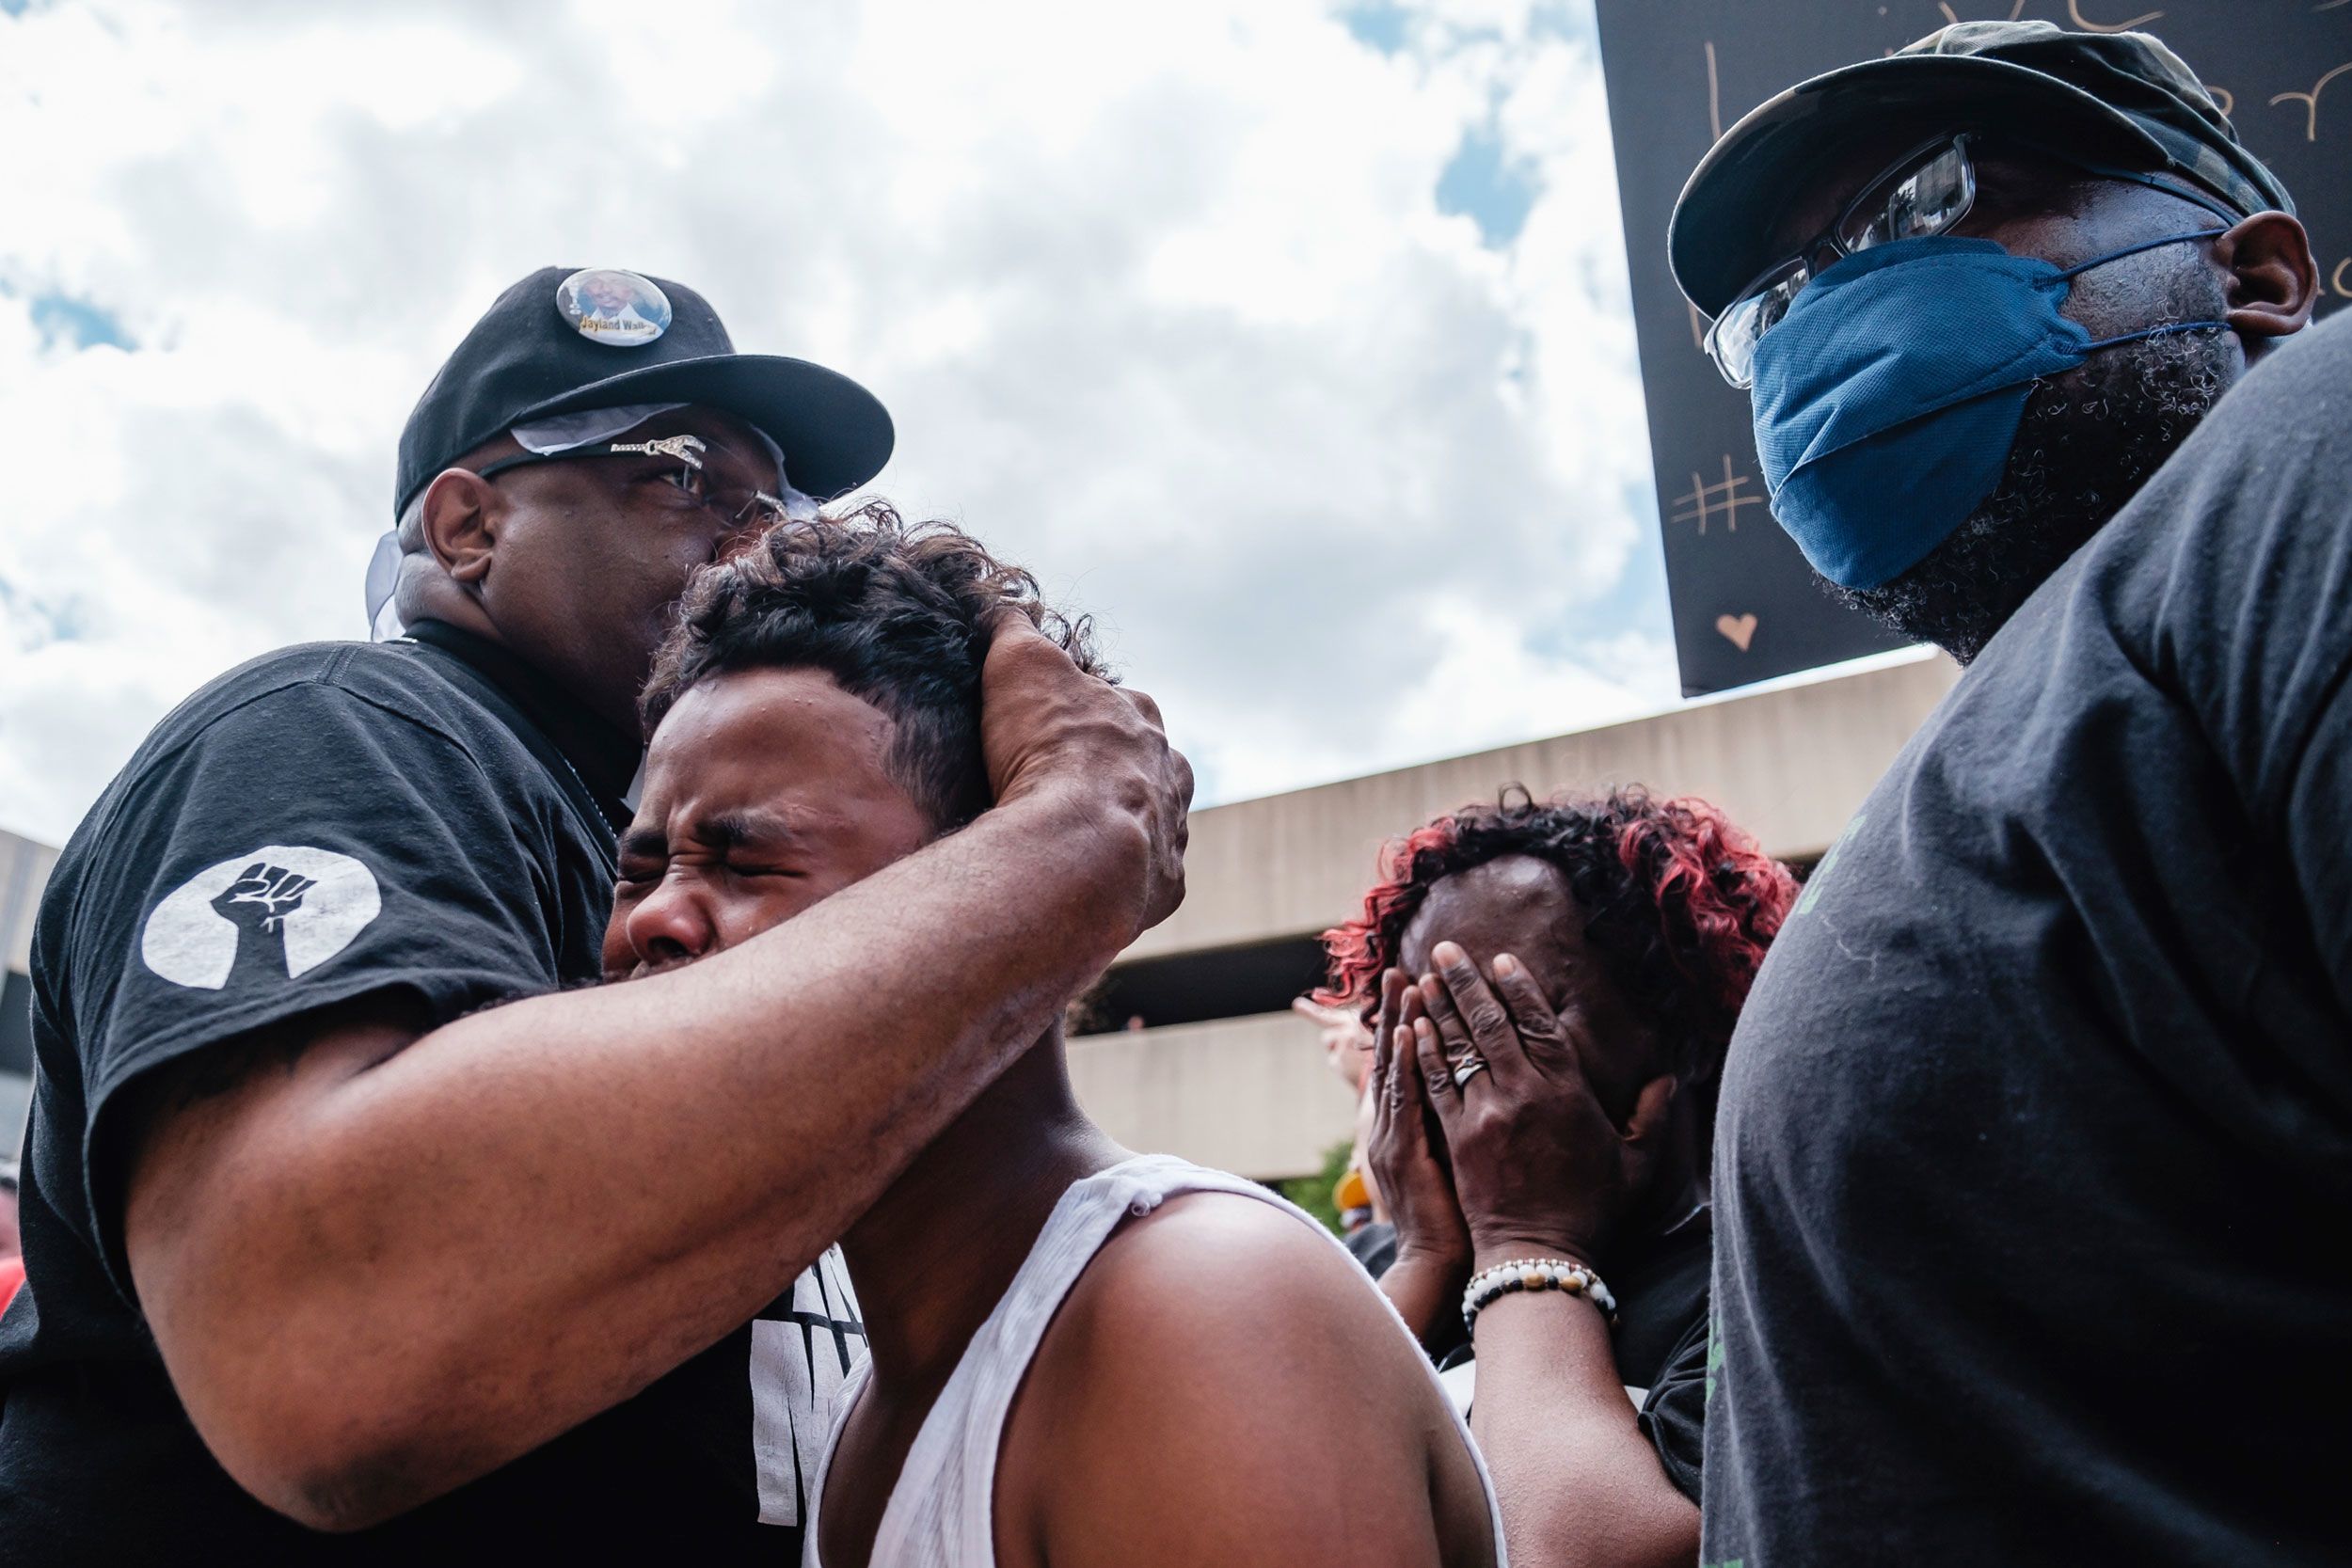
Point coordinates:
[[1221, 1072], [1219, 1069], [23, 872]]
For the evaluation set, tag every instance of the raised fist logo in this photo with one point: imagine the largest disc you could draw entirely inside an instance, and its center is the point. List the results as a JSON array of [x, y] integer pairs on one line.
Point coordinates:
[[261, 897], [258, 903], [270, 915]]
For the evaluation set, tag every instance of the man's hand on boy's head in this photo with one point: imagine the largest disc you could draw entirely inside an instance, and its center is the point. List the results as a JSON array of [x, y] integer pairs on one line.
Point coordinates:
[[1048, 727]]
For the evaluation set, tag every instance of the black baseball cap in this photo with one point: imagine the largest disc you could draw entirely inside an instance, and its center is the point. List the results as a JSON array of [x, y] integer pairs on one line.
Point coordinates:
[[567, 339], [2117, 98]]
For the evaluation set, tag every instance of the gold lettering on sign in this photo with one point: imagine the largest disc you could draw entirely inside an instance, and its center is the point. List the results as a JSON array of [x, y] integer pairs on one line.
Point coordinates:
[[1714, 134], [1709, 500], [1714, 97], [2223, 98], [2336, 280], [2074, 9], [1739, 629], [2310, 101]]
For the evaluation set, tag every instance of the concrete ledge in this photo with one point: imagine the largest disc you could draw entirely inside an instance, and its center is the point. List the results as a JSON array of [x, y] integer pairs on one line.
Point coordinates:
[[1789, 765], [25, 868], [1248, 1094]]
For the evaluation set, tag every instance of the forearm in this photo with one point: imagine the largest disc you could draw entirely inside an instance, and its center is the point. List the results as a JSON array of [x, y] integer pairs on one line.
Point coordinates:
[[1425, 1291], [440, 1261], [1579, 1483]]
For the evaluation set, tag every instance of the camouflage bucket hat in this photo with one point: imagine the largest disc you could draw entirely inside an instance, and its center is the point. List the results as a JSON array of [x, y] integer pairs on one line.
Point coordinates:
[[2119, 98]]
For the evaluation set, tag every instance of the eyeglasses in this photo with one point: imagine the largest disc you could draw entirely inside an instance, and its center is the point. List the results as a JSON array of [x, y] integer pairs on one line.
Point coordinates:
[[737, 506], [1924, 192]]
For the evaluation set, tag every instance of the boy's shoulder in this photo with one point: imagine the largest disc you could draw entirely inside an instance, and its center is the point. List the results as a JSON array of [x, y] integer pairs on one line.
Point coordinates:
[[1206, 1268], [1224, 1376]]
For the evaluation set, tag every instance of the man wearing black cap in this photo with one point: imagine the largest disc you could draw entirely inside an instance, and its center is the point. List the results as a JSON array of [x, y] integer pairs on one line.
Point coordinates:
[[2036, 1134], [318, 1238]]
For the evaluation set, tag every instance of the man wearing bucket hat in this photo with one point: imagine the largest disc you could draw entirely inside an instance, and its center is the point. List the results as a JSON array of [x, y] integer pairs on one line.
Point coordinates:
[[317, 1236], [2040, 1115]]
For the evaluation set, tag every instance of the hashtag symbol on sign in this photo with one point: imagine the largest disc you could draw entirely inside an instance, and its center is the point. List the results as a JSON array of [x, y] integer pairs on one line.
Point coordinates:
[[1710, 499]]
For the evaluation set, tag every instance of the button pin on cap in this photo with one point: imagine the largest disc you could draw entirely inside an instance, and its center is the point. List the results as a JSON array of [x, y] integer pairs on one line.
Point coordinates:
[[531, 362], [617, 309]]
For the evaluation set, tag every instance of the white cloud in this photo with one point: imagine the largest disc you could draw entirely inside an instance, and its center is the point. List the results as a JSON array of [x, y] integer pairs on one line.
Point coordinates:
[[1160, 297]]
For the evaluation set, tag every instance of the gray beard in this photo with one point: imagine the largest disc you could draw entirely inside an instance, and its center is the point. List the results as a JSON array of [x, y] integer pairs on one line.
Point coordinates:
[[2089, 441]]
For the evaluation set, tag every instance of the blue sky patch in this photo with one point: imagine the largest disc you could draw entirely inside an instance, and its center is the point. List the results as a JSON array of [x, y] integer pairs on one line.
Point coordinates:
[[1379, 23], [40, 622], [1481, 184], [77, 322]]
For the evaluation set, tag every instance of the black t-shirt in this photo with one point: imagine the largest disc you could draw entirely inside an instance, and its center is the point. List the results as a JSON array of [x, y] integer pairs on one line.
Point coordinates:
[[427, 816], [1660, 1340], [2034, 1161]]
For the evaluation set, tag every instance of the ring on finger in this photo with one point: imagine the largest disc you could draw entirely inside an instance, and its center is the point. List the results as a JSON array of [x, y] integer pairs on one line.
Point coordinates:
[[1469, 1068]]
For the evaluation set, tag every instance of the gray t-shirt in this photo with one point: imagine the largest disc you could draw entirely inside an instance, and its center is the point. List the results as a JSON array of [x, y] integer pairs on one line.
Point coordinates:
[[2035, 1153]]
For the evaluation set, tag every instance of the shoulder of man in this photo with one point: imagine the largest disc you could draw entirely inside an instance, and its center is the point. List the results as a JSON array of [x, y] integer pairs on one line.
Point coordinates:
[[312, 828], [322, 812], [387, 677], [317, 722], [2224, 578]]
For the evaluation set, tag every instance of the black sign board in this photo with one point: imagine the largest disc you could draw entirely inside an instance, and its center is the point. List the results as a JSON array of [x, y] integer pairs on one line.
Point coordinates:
[[1746, 606]]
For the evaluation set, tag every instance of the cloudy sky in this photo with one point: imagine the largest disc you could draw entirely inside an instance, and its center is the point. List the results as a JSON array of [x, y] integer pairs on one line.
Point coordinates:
[[1288, 336]]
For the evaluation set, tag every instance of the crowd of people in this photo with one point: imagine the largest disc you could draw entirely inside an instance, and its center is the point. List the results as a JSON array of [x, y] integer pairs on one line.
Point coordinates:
[[583, 1073]]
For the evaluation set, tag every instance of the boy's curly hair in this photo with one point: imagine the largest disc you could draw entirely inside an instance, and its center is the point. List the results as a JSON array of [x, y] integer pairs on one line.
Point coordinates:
[[897, 612]]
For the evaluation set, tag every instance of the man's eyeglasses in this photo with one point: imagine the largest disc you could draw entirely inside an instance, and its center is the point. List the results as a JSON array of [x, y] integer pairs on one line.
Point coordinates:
[[1924, 192], [737, 506]]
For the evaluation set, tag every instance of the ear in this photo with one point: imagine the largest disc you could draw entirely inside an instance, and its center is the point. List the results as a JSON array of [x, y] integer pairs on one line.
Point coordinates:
[[461, 524], [2272, 281]]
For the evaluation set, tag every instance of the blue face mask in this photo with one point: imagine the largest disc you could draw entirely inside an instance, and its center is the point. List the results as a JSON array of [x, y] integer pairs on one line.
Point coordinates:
[[1888, 397]]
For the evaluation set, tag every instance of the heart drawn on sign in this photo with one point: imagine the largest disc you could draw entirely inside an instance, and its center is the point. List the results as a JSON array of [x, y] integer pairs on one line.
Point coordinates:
[[1740, 629]]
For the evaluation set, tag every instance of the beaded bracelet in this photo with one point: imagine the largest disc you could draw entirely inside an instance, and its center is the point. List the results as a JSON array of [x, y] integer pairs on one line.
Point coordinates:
[[1535, 1273]]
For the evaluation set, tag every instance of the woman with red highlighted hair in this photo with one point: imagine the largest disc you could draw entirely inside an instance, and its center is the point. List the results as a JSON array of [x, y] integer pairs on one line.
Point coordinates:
[[1553, 985]]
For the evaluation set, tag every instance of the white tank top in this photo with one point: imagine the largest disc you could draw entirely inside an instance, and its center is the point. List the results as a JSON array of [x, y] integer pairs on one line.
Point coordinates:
[[939, 1514]]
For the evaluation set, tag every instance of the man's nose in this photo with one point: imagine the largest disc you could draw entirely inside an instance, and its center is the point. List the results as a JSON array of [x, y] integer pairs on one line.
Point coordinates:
[[670, 924]]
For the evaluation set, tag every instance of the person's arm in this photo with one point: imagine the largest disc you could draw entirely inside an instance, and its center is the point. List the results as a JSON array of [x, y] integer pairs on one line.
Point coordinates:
[[1541, 1172], [1579, 1481], [1221, 1387], [379, 1263]]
